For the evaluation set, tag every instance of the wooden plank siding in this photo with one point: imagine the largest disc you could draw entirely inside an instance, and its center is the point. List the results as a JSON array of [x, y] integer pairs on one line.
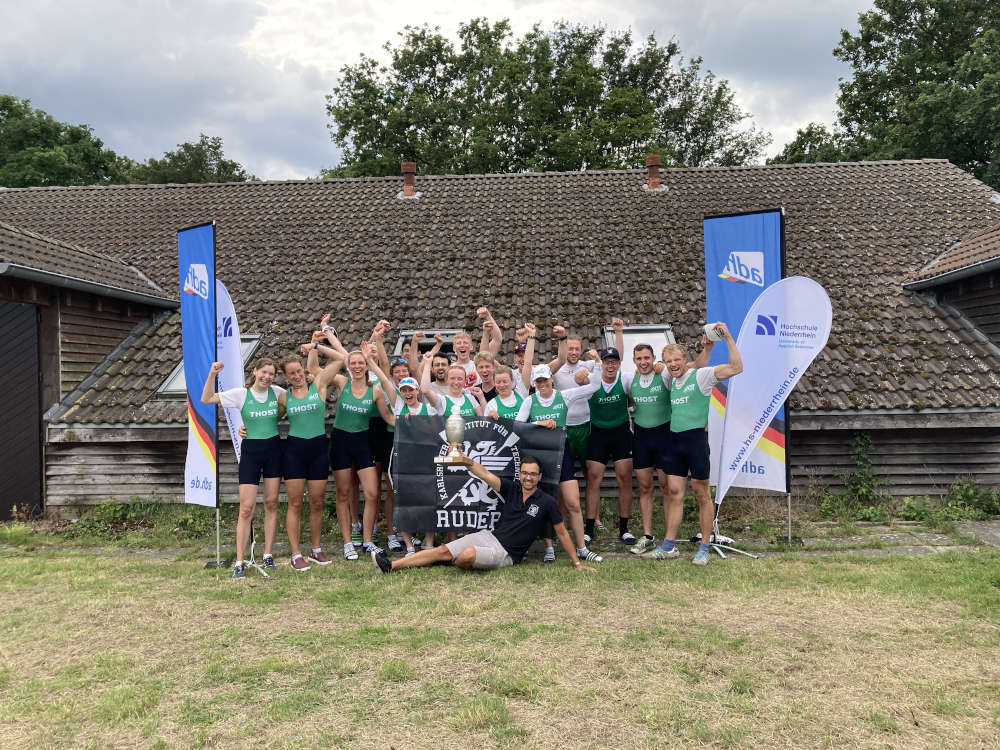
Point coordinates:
[[89, 328], [84, 467], [978, 297]]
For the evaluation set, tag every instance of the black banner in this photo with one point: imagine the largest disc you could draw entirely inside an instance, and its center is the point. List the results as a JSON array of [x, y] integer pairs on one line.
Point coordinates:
[[433, 497]]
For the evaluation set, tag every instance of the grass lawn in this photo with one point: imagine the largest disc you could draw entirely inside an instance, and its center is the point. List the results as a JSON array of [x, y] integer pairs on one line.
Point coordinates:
[[132, 650]]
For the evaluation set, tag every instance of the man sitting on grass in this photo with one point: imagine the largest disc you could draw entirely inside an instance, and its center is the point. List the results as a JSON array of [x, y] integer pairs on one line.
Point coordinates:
[[522, 520]]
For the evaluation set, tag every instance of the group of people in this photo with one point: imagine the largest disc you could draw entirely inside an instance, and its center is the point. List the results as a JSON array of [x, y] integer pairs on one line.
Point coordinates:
[[653, 423]]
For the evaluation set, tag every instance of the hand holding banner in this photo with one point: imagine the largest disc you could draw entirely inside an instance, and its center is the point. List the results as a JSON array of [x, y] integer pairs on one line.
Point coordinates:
[[784, 330]]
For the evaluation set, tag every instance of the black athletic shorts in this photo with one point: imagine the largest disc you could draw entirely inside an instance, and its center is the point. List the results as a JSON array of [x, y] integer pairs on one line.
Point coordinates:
[[613, 442], [568, 470], [260, 457], [649, 444], [350, 449], [306, 458], [687, 453], [380, 441]]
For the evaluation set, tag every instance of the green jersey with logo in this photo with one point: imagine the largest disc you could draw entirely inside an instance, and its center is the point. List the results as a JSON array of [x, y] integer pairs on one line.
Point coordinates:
[[652, 403], [556, 410], [466, 408], [353, 413], [509, 412], [307, 415], [688, 405], [420, 411], [609, 408], [260, 418]]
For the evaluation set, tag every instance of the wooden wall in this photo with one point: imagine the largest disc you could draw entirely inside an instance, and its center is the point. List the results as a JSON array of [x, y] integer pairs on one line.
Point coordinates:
[[88, 466], [978, 297]]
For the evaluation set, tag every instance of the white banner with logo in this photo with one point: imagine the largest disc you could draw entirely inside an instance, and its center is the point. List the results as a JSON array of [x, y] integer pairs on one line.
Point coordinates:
[[230, 353], [784, 330]]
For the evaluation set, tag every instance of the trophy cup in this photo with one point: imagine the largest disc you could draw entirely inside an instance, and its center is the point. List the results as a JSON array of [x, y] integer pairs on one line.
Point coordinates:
[[454, 431]]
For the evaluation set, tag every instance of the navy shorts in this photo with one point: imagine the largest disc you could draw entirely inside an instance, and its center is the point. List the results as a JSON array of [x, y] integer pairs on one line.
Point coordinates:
[[350, 449], [306, 458], [649, 444], [687, 453], [612, 442], [380, 441], [260, 457], [567, 473]]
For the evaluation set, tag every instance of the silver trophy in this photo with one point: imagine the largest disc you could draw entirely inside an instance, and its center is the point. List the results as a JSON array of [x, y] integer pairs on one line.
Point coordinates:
[[454, 431]]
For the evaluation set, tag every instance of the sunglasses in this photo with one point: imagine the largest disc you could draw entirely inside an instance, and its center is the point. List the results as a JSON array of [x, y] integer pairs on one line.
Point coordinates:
[[397, 361]]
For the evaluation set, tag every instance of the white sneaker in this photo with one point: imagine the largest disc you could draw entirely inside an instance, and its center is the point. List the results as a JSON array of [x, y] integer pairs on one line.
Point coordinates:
[[350, 553]]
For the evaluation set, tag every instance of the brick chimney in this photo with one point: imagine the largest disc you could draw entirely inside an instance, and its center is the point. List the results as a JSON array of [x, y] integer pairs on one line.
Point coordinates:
[[653, 169], [409, 176]]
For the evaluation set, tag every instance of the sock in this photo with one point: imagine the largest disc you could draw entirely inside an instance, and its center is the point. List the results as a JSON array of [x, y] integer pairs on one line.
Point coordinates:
[[267, 555], [622, 524], [317, 550], [668, 544], [588, 527], [582, 552], [296, 557], [410, 549], [703, 547], [550, 549], [239, 564]]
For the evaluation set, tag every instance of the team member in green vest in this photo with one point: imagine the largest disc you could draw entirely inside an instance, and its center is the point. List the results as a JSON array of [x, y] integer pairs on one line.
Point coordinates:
[[649, 389], [350, 451], [687, 453], [456, 397], [260, 454], [547, 407], [306, 462], [509, 397]]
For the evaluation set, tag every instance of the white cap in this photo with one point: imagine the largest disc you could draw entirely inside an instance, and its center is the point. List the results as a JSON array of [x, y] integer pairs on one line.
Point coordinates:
[[409, 383], [540, 371]]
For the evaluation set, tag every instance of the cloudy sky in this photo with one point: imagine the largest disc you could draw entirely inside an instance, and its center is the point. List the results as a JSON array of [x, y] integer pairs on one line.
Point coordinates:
[[148, 75]]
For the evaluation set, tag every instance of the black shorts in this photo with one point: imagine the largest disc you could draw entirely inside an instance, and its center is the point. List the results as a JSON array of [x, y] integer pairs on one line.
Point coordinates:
[[568, 472], [613, 442], [350, 449], [380, 441], [649, 444], [687, 452], [260, 456], [306, 458]]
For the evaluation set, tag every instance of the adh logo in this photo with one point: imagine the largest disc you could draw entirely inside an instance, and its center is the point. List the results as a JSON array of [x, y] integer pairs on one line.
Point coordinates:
[[492, 445], [197, 280], [767, 325], [744, 267]]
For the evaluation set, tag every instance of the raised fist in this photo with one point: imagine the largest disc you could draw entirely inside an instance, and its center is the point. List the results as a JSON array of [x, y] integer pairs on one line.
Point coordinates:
[[482, 312], [530, 328], [559, 331], [618, 324], [418, 336], [582, 377], [217, 367]]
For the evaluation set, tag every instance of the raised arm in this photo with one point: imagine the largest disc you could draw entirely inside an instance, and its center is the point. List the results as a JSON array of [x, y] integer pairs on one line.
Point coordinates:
[[735, 364], [619, 327], [477, 393], [413, 359], [388, 387], [208, 394], [492, 337], [705, 354], [331, 336], [529, 354], [383, 358], [480, 472], [560, 335], [430, 394]]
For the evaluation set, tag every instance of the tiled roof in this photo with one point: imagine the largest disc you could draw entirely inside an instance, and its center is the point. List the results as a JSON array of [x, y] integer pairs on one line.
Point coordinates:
[[961, 259], [573, 248], [26, 253]]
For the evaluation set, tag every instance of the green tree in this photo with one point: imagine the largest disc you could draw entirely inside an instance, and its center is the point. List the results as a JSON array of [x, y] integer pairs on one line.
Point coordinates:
[[926, 83], [203, 161], [38, 150], [568, 98], [814, 143]]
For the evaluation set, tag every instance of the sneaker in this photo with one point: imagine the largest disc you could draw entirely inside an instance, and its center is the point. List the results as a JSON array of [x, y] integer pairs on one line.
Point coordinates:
[[356, 537], [661, 554], [417, 542], [239, 571], [299, 563], [373, 548], [379, 558], [409, 552], [627, 539], [394, 544], [587, 539], [700, 557], [268, 563], [550, 556], [319, 558], [349, 552], [587, 556], [642, 545]]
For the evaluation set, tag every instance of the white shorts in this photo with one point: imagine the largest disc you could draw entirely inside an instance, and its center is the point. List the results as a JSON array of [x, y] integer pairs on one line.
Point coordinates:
[[490, 554]]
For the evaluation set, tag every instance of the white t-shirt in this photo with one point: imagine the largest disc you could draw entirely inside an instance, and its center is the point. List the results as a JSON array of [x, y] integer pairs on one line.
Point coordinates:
[[234, 398], [441, 390], [471, 375], [579, 410]]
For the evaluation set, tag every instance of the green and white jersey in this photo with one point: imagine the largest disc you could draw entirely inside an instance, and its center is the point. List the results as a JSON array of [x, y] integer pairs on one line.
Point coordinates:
[[306, 415], [353, 414], [579, 410], [466, 406], [651, 396], [506, 408], [689, 399], [609, 404], [402, 410], [258, 410], [557, 406]]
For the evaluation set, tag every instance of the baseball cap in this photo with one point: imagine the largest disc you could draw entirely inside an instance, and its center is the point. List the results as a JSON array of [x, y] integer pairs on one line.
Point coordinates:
[[409, 383], [540, 371], [520, 346], [610, 352]]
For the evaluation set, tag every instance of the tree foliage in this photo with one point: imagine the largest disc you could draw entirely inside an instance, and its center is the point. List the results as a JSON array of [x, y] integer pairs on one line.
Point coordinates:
[[203, 161], [37, 150], [568, 98], [925, 84]]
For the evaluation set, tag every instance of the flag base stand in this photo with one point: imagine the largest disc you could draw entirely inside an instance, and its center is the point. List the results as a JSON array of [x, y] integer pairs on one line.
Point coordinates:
[[217, 562], [252, 563], [718, 542]]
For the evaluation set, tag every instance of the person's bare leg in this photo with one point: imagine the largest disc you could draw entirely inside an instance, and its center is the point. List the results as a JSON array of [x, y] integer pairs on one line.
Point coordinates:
[[569, 494], [355, 498], [390, 508], [466, 559], [644, 478], [344, 487], [294, 488], [369, 484], [706, 508], [623, 475], [423, 557], [595, 473], [673, 505], [317, 494], [248, 504], [271, 487]]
